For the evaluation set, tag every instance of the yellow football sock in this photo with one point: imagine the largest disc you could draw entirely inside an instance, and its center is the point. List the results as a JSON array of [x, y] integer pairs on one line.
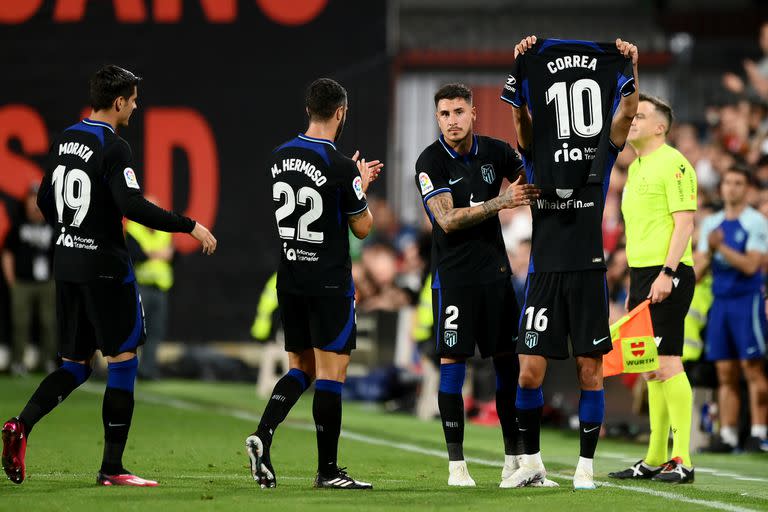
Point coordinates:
[[657, 412], [679, 398]]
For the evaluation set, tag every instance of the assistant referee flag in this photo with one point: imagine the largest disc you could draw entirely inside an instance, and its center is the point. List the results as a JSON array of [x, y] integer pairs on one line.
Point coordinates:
[[634, 346]]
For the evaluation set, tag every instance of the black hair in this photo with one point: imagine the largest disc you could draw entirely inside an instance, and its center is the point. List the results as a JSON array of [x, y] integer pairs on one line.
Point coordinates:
[[324, 96], [662, 107], [109, 83], [744, 170], [453, 91]]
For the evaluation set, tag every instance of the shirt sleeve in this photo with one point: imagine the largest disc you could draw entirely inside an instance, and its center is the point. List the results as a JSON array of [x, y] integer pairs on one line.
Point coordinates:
[[126, 192], [513, 164], [680, 187], [512, 91], [626, 83], [353, 199], [757, 233], [707, 226], [429, 178]]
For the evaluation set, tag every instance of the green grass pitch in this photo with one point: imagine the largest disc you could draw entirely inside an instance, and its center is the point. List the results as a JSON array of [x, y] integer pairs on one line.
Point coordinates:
[[189, 436]]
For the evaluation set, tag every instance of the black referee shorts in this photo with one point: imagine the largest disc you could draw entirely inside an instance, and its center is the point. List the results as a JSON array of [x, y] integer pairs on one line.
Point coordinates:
[[667, 316]]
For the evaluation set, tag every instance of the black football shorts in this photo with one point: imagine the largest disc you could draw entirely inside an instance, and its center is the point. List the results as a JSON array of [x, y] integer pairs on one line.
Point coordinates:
[[667, 316], [104, 315], [563, 305], [480, 316], [322, 322]]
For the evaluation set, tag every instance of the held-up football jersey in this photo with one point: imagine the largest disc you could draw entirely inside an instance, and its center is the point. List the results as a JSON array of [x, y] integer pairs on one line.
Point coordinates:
[[314, 190], [572, 89], [88, 187], [475, 255]]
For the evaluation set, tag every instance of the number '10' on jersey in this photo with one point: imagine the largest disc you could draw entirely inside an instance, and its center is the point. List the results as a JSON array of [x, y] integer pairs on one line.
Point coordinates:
[[314, 190]]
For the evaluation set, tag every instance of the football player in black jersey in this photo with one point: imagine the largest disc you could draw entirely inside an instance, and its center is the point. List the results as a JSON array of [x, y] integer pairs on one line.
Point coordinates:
[[460, 179], [318, 195], [88, 187], [566, 293]]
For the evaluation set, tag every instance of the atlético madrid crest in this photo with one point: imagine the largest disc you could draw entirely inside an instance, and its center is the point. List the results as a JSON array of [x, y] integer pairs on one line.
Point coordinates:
[[489, 175], [450, 338], [531, 339]]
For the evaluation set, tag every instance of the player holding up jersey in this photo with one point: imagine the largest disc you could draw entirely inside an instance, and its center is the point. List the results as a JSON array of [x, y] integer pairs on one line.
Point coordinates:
[[573, 104], [88, 187]]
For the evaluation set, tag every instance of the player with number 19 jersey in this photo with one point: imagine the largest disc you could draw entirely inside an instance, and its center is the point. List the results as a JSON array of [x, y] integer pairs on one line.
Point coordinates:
[[89, 186], [91, 182]]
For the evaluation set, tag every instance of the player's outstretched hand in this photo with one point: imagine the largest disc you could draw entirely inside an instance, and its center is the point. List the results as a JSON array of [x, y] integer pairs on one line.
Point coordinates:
[[628, 50], [525, 44], [369, 171], [206, 239], [519, 194]]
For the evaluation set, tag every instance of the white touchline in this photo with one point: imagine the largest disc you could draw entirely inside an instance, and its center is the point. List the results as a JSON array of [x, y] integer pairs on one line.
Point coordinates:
[[408, 447]]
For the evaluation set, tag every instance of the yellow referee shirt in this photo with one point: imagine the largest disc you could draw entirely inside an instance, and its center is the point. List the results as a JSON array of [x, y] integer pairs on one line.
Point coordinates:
[[658, 184]]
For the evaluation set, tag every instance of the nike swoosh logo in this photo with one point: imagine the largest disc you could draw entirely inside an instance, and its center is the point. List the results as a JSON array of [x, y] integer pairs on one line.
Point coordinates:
[[597, 342], [453, 182], [472, 203], [116, 424], [587, 431]]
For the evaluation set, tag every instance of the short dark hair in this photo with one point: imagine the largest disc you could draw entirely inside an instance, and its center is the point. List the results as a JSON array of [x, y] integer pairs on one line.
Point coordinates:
[[324, 96], [453, 91], [111, 82], [662, 107], [744, 170]]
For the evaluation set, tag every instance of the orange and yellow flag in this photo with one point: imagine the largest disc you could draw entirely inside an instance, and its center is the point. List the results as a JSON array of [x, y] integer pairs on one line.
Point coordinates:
[[634, 346]]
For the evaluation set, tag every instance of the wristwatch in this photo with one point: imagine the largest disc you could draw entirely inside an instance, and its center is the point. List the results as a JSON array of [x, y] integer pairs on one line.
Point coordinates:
[[667, 271]]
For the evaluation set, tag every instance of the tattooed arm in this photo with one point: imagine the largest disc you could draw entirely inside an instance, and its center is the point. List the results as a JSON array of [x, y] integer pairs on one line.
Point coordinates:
[[453, 219], [360, 223]]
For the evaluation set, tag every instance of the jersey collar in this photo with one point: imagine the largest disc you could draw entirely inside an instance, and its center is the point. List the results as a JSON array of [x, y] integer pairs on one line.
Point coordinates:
[[91, 122], [319, 141], [472, 151]]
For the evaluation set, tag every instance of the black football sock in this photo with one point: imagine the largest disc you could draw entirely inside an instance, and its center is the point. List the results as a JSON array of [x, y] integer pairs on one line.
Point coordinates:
[[591, 412], [451, 405], [116, 413], [326, 410], [530, 403], [507, 370], [284, 396], [53, 390]]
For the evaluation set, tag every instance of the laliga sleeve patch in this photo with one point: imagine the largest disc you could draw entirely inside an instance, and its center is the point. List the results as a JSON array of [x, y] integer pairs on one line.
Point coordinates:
[[357, 186], [425, 183], [130, 178]]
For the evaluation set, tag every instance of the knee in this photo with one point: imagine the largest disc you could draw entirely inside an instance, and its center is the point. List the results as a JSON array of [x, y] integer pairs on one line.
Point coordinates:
[[81, 371], [590, 376], [754, 373], [336, 373], [669, 367], [529, 377]]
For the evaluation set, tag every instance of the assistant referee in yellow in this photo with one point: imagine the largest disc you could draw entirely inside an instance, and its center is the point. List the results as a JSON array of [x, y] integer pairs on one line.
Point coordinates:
[[658, 205]]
